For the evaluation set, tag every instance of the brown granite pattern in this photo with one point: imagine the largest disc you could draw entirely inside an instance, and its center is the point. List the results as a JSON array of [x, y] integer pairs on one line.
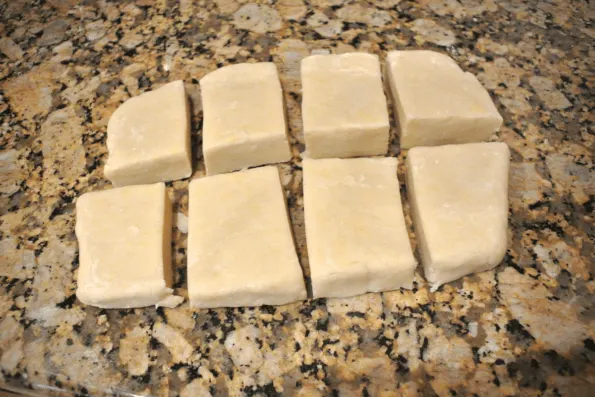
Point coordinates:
[[526, 328]]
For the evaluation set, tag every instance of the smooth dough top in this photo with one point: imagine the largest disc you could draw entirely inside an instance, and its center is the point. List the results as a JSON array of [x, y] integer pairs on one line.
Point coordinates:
[[150, 126], [240, 242], [122, 242], [354, 216], [342, 91], [242, 103], [460, 193], [432, 85]]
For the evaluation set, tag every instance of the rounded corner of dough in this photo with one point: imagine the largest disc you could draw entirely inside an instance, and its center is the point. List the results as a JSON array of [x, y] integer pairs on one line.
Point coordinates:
[[393, 55], [193, 183], [158, 186], [110, 175], [86, 297], [176, 84], [390, 160], [504, 147], [82, 199], [188, 173], [309, 61], [269, 169], [211, 77], [116, 118], [413, 152], [271, 66]]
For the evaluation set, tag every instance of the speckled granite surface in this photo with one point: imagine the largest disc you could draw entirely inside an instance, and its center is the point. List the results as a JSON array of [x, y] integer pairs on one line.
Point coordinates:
[[526, 328]]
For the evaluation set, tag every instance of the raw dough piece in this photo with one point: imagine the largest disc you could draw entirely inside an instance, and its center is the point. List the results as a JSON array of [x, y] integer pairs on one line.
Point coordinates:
[[244, 119], [148, 138], [240, 246], [124, 239], [343, 106], [436, 103], [459, 199], [357, 239]]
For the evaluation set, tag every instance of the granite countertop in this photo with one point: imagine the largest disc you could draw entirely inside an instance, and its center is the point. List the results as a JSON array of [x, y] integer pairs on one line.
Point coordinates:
[[525, 328]]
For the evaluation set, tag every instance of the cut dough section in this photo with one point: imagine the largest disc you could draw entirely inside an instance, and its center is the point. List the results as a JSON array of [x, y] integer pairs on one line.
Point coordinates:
[[240, 245], [148, 138], [244, 118], [343, 106], [459, 199], [124, 239], [436, 102], [357, 239]]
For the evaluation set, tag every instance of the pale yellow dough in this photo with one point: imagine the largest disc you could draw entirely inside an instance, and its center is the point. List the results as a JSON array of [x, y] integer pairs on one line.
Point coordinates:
[[459, 199], [343, 106], [355, 228], [148, 138], [124, 237], [244, 118], [436, 102], [240, 246]]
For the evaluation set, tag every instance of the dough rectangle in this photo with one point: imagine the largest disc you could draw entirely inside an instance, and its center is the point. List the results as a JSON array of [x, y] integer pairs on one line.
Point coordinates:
[[244, 118], [355, 227], [436, 102], [344, 109], [240, 245], [124, 239], [459, 199], [148, 138]]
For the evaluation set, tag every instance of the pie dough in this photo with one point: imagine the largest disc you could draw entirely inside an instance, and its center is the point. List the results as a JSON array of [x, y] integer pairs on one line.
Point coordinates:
[[240, 245], [343, 106], [459, 199], [244, 118], [124, 237], [355, 228], [148, 138], [436, 102]]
